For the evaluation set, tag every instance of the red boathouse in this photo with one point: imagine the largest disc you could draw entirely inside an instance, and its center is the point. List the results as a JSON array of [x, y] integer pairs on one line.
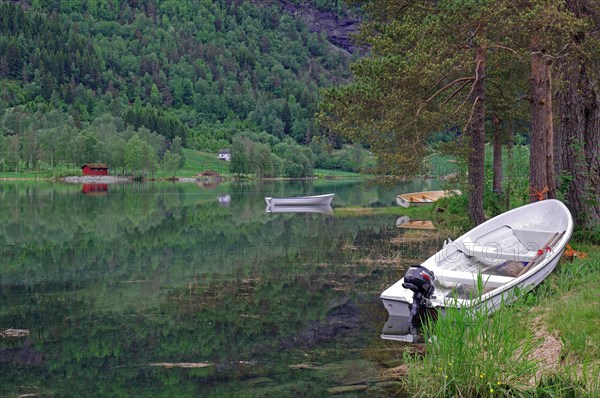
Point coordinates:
[[94, 170]]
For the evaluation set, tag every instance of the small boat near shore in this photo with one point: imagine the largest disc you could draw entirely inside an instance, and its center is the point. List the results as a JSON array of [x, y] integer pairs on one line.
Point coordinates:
[[484, 267], [317, 200], [423, 198]]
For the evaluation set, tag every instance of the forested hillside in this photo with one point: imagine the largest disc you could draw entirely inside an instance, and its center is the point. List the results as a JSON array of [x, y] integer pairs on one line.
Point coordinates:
[[202, 71]]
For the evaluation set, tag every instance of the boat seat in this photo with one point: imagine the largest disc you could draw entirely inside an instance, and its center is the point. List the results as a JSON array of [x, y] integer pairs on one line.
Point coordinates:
[[533, 239], [490, 253], [488, 280]]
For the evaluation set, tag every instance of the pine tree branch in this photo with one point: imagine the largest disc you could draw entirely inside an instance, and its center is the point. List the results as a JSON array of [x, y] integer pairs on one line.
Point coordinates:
[[458, 90], [504, 48], [447, 86], [472, 112], [472, 87]]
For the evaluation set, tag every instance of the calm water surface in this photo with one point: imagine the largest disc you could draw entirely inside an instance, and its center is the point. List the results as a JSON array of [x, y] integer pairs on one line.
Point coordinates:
[[186, 290]]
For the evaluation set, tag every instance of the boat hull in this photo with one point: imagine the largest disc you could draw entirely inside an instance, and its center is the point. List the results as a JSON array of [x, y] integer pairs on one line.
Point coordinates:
[[319, 200]]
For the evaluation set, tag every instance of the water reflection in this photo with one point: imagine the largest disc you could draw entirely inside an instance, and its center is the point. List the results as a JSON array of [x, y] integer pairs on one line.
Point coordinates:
[[161, 273], [224, 200], [399, 328], [323, 209], [406, 223], [407, 329], [94, 189]]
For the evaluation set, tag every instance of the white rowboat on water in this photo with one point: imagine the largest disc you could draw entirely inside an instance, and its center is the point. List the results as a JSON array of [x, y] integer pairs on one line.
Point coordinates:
[[318, 200]]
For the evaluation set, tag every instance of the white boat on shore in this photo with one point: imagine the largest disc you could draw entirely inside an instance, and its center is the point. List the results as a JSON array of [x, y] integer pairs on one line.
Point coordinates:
[[422, 198], [517, 249], [318, 200]]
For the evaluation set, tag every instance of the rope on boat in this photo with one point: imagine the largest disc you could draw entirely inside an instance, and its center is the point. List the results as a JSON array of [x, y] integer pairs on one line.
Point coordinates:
[[539, 194], [571, 254]]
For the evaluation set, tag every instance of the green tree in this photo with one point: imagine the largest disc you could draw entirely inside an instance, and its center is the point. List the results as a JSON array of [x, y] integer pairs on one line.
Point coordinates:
[[286, 118], [13, 59], [164, 66], [134, 154], [155, 96], [177, 149], [426, 71], [170, 162], [239, 157], [262, 161], [13, 156]]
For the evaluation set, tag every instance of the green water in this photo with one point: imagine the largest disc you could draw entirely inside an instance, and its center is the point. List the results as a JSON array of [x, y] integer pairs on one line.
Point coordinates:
[[111, 283]]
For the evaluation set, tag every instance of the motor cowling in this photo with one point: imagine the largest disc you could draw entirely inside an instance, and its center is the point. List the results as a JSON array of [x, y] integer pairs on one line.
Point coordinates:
[[420, 280]]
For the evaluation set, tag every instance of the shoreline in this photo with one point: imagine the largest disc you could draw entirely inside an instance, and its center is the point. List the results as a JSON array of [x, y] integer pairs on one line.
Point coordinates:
[[124, 179]]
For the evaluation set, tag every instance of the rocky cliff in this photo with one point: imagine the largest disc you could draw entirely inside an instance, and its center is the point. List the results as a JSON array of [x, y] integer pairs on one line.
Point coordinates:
[[337, 28]]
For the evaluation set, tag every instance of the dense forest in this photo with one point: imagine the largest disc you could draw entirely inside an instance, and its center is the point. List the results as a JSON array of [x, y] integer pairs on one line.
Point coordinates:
[[200, 71]]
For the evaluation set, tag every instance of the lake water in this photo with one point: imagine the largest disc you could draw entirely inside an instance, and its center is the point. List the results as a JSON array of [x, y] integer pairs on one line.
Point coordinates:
[[176, 290]]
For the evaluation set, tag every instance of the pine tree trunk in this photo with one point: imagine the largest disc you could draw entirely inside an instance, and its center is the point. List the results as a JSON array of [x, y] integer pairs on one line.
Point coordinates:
[[509, 155], [497, 160], [476, 131], [541, 121], [550, 175], [577, 143]]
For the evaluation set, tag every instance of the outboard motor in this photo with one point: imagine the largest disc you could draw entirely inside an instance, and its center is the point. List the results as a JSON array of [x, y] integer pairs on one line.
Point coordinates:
[[420, 280]]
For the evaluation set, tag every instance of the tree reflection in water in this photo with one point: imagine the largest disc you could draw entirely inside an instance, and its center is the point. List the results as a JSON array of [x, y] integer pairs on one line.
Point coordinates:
[[161, 273]]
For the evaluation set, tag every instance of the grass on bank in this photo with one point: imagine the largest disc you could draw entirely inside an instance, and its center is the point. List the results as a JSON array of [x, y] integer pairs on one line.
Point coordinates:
[[549, 349], [415, 213], [570, 301], [324, 173], [41, 172], [197, 162]]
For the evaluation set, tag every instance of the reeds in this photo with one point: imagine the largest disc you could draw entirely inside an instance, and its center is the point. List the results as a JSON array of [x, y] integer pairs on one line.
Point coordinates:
[[470, 354]]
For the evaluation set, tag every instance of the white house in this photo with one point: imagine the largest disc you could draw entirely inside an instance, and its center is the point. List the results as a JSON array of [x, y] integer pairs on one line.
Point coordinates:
[[224, 154]]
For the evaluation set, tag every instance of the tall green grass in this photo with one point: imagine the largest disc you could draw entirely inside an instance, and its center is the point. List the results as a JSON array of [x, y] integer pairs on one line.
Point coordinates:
[[472, 354], [570, 302], [570, 298]]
